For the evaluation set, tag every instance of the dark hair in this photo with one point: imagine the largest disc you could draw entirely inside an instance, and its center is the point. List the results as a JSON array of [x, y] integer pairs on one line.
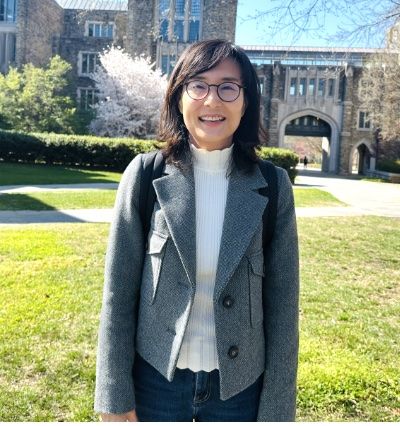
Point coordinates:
[[197, 58]]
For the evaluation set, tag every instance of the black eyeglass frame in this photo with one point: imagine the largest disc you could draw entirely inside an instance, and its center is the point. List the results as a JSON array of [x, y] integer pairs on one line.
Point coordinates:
[[213, 85]]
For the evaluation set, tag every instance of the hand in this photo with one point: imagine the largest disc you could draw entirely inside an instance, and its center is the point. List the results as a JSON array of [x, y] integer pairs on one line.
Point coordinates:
[[124, 417]]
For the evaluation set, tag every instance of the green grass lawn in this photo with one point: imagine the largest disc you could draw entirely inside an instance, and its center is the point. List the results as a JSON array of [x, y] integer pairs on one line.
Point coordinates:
[[93, 199], [350, 304], [38, 174], [105, 199], [312, 197]]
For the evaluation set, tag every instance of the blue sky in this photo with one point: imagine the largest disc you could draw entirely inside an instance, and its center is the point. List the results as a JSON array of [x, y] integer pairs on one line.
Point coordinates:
[[255, 31]]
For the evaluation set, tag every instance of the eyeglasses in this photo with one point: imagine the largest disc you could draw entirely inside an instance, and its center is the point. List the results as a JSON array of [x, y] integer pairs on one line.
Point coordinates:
[[227, 92]]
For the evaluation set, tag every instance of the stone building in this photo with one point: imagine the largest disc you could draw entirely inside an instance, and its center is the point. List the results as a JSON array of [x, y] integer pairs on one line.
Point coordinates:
[[308, 92], [312, 92], [35, 30]]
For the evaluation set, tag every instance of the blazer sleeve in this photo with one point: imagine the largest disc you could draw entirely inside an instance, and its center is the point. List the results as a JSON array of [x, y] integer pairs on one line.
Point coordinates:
[[281, 311], [122, 277]]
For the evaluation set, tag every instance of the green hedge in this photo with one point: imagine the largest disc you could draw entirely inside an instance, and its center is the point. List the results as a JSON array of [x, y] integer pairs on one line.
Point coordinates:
[[71, 150], [284, 158], [391, 166], [93, 151]]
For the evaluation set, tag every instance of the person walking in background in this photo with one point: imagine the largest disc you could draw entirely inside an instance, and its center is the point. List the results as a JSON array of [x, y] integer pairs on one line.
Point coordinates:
[[305, 161], [199, 319]]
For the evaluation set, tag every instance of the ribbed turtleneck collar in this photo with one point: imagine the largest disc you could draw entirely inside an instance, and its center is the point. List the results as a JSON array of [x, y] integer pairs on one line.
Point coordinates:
[[217, 160]]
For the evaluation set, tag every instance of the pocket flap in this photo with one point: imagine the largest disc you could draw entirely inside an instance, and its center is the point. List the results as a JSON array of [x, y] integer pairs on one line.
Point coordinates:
[[156, 243], [257, 263]]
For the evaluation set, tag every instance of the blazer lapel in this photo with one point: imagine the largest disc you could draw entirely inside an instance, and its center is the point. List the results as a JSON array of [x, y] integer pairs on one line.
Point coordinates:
[[243, 215], [175, 193]]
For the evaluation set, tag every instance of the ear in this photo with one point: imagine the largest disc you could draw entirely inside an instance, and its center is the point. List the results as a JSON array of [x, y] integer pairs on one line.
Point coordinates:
[[180, 106]]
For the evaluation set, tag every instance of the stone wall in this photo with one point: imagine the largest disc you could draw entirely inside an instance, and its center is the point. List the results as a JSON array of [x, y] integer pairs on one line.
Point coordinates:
[[140, 29], [75, 40], [219, 19], [39, 27]]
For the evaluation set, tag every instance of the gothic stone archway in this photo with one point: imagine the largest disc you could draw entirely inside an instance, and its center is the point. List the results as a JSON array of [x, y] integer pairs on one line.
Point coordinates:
[[361, 155], [302, 123]]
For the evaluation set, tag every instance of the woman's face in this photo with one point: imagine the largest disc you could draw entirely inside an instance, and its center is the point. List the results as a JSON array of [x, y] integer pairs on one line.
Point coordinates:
[[211, 122]]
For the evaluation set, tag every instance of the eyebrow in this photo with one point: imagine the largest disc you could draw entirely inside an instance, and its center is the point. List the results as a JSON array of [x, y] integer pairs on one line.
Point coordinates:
[[199, 77]]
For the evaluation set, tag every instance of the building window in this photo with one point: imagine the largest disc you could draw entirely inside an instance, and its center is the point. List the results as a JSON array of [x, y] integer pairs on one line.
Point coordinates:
[[178, 29], [262, 85], [99, 29], [185, 22], [167, 63], [88, 62], [302, 86], [180, 9], [194, 31], [179, 22], [87, 98], [311, 87], [363, 120], [7, 10], [194, 21], [293, 86], [7, 51], [331, 87], [321, 87], [163, 10]]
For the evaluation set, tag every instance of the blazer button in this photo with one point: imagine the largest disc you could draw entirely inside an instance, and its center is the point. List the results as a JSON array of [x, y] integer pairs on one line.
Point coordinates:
[[228, 302], [233, 352]]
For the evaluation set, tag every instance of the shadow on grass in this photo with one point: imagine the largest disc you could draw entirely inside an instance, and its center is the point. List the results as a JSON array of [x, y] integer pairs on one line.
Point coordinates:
[[36, 174], [22, 208]]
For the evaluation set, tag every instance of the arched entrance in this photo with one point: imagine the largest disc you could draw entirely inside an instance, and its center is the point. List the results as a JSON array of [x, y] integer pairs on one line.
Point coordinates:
[[309, 137], [360, 159], [317, 134]]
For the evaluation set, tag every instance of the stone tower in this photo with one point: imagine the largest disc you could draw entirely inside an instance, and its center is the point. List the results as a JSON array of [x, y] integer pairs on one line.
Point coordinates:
[[219, 19]]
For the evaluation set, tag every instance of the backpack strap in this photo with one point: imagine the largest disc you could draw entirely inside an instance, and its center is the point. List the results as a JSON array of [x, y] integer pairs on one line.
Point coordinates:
[[268, 170], [152, 167]]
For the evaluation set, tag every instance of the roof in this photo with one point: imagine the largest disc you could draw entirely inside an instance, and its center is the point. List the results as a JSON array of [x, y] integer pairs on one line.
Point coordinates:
[[331, 50], [308, 56], [117, 5]]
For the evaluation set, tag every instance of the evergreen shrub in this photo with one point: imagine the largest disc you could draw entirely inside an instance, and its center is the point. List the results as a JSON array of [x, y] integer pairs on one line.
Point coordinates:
[[284, 158]]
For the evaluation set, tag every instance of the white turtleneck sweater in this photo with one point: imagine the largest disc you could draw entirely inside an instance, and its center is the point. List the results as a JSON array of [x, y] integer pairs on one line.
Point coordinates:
[[199, 351]]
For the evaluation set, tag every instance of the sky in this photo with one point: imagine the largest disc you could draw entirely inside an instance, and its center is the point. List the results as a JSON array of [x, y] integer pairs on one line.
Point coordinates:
[[254, 32]]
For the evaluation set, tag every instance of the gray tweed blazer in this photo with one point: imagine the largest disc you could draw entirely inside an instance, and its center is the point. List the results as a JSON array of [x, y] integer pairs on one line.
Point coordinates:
[[150, 286]]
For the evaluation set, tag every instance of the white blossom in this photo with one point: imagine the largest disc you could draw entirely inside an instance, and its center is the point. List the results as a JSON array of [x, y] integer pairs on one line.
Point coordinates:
[[130, 95]]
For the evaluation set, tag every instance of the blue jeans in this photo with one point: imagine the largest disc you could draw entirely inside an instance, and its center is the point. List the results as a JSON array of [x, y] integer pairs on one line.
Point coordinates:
[[190, 396]]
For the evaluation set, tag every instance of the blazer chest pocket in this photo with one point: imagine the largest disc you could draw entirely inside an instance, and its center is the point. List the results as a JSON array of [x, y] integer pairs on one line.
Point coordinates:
[[256, 274], [152, 265]]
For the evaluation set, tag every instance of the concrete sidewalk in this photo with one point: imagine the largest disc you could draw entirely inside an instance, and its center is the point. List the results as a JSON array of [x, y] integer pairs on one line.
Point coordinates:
[[105, 215], [375, 198]]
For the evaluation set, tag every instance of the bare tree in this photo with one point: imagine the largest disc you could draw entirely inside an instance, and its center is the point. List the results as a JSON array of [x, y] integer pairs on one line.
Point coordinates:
[[379, 94], [365, 21]]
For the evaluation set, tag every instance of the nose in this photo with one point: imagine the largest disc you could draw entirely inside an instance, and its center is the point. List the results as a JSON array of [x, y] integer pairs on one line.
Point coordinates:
[[212, 96]]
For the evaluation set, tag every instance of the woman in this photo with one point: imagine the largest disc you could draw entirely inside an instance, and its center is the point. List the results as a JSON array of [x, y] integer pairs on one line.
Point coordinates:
[[196, 323]]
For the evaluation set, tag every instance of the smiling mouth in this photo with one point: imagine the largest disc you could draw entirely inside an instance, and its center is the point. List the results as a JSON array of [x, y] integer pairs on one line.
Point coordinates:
[[212, 118]]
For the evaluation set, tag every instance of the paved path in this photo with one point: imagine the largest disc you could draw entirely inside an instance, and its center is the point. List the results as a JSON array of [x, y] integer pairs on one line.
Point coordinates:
[[376, 198], [362, 197]]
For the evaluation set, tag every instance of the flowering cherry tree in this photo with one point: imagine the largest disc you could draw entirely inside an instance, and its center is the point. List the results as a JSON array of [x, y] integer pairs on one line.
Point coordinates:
[[130, 94]]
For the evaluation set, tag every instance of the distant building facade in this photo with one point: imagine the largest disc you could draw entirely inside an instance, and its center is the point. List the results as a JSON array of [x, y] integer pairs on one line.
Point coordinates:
[[306, 91], [313, 92], [35, 30]]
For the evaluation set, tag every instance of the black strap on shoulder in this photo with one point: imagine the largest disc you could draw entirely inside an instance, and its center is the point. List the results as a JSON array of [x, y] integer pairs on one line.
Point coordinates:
[[268, 170], [152, 164]]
